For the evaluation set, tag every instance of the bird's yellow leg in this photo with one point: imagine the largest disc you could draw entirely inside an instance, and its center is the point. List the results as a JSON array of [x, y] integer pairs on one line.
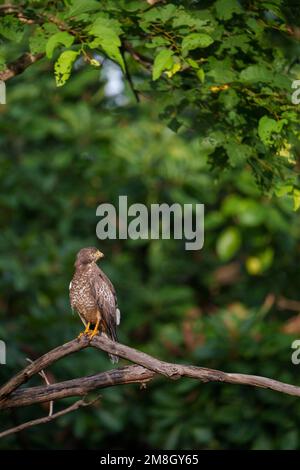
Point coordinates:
[[86, 331], [95, 330]]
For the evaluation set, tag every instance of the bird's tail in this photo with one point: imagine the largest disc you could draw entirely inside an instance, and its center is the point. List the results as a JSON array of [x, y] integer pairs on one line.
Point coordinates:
[[114, 359], [113, 336]]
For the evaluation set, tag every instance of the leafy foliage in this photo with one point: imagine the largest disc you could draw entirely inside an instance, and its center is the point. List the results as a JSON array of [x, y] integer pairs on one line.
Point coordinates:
[[214, 68]]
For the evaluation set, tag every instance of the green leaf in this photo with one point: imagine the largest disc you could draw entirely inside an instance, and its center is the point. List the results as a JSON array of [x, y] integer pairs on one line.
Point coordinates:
[[37, 41], [233, 43], [226, 8], [105, 27], [157, 41], [250, 213], [255, 25], [176, 66], [59, 38], [201, 75], [110, 49], [296, 199], [2, 61], [228, 243], [133, 5], [257, 73], [163, 61], [11, 28], [106, 32], [195, 40], [183, 18], [267, 126], [221, 70], [160, 14], [82, 6], [192, 63], [229, 99], [283, 189], [63, 66], [238, 153]]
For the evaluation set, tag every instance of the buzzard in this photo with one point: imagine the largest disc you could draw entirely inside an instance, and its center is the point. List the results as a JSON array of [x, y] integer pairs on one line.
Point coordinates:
[[93, 296]]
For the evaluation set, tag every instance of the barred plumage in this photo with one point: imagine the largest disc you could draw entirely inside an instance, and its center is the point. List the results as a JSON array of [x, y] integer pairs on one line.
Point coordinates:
[[93, 296]]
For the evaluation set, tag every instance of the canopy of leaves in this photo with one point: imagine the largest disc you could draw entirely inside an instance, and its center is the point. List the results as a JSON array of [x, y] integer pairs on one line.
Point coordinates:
[[215, 70]]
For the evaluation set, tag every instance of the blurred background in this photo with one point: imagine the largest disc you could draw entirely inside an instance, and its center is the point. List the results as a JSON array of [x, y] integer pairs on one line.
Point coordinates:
[[234, 305]]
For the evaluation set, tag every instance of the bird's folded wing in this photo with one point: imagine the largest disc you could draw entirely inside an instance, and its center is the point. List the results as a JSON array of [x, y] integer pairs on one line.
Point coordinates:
[[106, 300]]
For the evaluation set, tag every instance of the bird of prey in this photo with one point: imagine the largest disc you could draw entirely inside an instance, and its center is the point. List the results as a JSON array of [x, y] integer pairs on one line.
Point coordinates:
[[93, 296]]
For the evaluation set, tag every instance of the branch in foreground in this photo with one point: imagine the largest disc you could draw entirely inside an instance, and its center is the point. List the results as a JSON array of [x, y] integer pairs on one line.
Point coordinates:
[[147, 369], [175, 371], [78, 387], [133, 374], [42, 363], [19, 65], [45, 419]]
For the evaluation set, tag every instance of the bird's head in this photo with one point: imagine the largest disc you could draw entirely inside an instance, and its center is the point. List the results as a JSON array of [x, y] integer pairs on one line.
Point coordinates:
[[88, 255]]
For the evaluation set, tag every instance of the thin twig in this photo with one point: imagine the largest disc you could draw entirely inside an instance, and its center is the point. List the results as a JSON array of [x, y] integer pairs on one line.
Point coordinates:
[[42, 363], [129, 78], [45, 419], [8, 8], [141, 59], [44, 376]]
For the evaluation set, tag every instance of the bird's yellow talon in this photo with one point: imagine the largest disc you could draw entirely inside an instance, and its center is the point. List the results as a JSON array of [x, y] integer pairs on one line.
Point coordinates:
[[95, 330], [93, 333], [87, 331]]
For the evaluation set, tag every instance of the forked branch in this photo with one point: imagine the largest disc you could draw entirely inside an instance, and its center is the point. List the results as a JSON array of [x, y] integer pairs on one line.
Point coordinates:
[[145, 368]]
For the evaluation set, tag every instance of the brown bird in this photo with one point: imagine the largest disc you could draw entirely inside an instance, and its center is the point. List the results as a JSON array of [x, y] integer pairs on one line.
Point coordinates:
[[93, 296]]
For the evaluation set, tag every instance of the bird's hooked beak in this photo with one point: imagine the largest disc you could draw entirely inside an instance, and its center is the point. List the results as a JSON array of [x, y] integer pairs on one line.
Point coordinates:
[[99, 255]]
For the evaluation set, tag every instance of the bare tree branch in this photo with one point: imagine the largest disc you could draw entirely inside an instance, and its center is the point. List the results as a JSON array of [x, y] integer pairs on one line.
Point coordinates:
[[78, 387], [152, 2], [42, 363], [175, 371], [117, 376], [45, 419], [19, 65], [8, 8], [145, 369]]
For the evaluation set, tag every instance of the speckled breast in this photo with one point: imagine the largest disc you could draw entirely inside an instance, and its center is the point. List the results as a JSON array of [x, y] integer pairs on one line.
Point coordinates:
[[81, 297]]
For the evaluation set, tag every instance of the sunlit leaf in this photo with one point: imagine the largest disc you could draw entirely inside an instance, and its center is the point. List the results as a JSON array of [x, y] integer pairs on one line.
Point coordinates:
[[63, 66], [59, 38], [163, 61], [228, 243]]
